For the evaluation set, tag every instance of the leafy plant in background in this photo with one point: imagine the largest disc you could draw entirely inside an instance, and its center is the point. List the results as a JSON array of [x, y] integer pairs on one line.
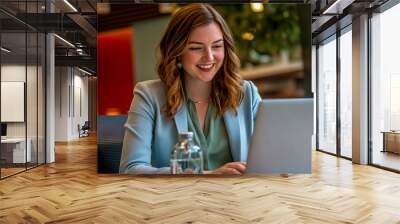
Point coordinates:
[[262, 36]]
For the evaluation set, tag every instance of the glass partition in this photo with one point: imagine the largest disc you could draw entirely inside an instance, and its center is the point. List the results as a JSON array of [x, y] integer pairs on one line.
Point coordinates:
[[346, 93], [41, 110], [327, 95], [385, 89], [22, 90], [13, 109], [31, 100]]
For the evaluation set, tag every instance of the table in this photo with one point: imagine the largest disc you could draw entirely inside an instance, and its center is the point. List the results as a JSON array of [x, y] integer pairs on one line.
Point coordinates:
[[391, 141], [15, 148]]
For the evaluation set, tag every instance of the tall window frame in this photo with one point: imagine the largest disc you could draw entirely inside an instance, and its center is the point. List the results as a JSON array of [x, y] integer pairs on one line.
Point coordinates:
[[35, 74], [376, 141], [337, 150]]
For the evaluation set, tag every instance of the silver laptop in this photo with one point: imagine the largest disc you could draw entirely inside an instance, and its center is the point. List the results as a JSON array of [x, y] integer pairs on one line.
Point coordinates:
[[281, 141]]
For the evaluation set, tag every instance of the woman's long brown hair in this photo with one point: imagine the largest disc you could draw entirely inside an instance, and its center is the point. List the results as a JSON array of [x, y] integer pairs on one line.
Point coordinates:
[[227, 85]]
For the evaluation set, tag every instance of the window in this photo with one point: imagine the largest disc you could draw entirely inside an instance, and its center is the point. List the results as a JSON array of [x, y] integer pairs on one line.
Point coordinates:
[[327, 96], [346, 93], [22, 86], [385, 88]]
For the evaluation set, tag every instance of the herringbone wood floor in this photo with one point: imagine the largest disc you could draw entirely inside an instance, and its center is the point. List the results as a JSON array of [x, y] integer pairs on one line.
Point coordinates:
[[70, 191]]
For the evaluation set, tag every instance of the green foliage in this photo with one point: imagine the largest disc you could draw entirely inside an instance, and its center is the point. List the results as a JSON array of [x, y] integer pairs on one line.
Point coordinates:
[[276, 29]]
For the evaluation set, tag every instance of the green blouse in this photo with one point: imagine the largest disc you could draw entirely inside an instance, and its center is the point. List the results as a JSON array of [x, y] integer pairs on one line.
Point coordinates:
[[213, 140]]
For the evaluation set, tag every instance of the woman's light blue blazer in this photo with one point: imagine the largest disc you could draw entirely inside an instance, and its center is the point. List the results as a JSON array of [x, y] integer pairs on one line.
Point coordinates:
[[150, 135]]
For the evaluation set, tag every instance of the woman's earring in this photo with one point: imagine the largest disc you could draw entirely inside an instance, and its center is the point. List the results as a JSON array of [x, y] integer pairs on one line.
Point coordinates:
[[179, 64]]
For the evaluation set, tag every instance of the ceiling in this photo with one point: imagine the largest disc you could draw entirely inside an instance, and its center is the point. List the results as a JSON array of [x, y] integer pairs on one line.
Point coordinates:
[[123, 15], [80, 27], [328, 16], [77, 27]]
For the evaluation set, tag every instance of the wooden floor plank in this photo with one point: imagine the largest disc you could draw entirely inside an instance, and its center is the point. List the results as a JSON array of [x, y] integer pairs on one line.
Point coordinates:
[[71, 191]]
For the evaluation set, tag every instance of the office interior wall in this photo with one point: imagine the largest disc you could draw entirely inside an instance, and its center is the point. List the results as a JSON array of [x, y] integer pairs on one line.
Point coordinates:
[[12, 98], [80, 104], [115, 71], [62, 113], [17, 73], [115, 84], [71, 102]]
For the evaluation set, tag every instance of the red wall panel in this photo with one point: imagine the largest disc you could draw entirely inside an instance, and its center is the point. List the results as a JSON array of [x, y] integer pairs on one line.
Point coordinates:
[[115, 71]]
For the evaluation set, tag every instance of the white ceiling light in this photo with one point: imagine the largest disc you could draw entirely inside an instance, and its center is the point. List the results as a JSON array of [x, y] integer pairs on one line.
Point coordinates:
[[103, 8], [65, 41], [86, 72], [70, 5], [5, 50], [166, 7], [257, 7], [337, 7], [79, 51]]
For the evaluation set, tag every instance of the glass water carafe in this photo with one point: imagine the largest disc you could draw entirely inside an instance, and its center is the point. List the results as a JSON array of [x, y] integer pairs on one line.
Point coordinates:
[[186, 157]]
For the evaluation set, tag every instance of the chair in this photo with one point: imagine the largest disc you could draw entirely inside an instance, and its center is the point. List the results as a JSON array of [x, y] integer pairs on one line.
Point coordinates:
[[84, 130]]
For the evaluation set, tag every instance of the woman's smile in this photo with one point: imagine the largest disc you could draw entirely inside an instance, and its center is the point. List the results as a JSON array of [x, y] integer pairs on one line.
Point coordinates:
[[206, 67]]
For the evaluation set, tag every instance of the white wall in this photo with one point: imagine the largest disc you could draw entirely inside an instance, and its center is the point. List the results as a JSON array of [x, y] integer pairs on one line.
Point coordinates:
[[33, 127], [80, 104], [71, 102], [12, 73], [62, 82]]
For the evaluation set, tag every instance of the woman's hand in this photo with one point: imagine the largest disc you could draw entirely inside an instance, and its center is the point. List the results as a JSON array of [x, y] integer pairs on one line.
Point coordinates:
[[229, 168]]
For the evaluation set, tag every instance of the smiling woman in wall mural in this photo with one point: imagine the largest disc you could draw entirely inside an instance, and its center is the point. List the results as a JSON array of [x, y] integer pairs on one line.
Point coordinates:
[[199, 90]]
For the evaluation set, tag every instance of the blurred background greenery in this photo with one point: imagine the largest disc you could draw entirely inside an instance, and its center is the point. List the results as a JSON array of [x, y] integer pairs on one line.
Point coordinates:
[[273, 43], [264, 33]]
